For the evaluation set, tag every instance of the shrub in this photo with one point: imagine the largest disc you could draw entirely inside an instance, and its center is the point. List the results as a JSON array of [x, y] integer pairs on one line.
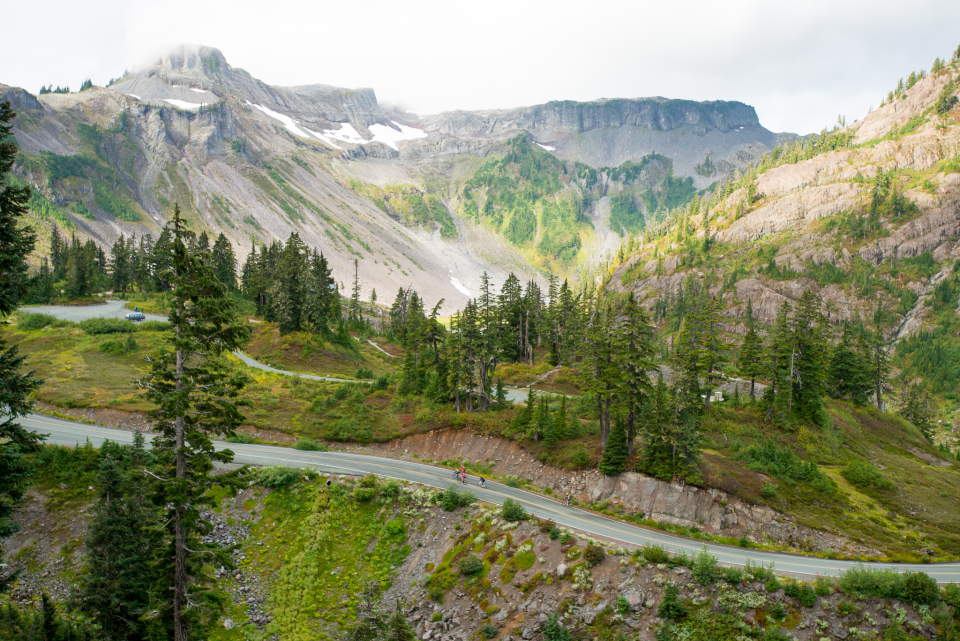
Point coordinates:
[[920, 589], [380, 384], [452, 498], [594, 555], [309, 445], [823, 587], [512, 481], [778, 612], [554, 533], [513, 511], [553, 630], [98, 326], [364, 372], [471, 566], [865, 475], [112, 347], [349, 429], [153, 326], [773, 584], [807, 596], [733, 574], [131, 344], [370, 480], [704, 569], [390, 489], [489, 630], [278, 476], [364, 494], [768, 491], [241, 437], [32, 321], [671, 607], [655, 554]]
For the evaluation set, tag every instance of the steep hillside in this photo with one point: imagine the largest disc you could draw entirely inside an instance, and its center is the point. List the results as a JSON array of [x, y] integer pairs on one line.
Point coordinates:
[[867, 216], [357, 180], [307, 557]]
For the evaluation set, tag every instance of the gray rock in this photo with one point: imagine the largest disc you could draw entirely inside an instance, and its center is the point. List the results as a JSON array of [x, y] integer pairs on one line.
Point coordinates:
[[527, 634], [228, 624]]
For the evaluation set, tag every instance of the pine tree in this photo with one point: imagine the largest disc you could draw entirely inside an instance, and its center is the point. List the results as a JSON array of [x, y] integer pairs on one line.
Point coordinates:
[[848, 375], [548, 425], [713, 350], [16, 243], [195, 397], [289, 291], [614, 457], [750, 357], [880, 360]]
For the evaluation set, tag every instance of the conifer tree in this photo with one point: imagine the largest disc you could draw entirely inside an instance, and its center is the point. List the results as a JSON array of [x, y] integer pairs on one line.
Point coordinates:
[[560, 421], [713, 350], [195, 397], [750, 358], [614, 457], [548, 425], [121, 539], [634, 348], [224, 262], [16, 243]]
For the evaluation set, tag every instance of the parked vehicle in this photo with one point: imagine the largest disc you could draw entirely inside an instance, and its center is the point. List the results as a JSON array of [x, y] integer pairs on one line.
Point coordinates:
[[136, 317]]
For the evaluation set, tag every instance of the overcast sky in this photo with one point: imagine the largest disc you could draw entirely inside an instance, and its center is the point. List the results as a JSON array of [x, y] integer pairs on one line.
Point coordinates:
[[800, 63]]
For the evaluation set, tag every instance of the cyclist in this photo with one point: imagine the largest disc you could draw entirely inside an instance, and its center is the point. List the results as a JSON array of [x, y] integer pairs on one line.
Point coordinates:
[[483, 482], [567, 500]]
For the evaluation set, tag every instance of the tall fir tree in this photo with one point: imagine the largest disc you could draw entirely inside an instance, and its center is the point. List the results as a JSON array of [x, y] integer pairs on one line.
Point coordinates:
[[195, 397], [16, 386], [614, 457], [750, 356]]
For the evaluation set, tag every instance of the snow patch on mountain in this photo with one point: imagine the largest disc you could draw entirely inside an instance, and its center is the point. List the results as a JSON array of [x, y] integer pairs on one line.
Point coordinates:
[[545, 147], [289, 123], [390, 136], [183, 104], [459, 286]]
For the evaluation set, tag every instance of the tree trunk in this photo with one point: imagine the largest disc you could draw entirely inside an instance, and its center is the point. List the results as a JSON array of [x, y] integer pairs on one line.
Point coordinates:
[[179, 529], [526, 339], [752, 397]]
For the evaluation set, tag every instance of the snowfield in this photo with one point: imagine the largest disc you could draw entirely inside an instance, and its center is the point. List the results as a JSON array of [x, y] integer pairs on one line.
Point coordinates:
[[545, 147]]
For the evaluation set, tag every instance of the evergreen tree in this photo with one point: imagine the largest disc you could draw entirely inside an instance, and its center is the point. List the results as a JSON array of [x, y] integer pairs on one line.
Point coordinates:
[[548, 426], [195, 397], [880, 360], [614, 457], [750, 358], [560, 421], [397, 627], [121, 539], [848, 373], [634, 348], [289, 291], [713, 350], [225, 262], [16, 243]]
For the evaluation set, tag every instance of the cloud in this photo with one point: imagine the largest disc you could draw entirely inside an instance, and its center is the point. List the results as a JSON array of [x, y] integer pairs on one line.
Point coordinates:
[[799, 64]]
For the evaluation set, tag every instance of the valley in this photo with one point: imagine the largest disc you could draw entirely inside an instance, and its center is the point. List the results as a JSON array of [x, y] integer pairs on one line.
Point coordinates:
[[734, 352]]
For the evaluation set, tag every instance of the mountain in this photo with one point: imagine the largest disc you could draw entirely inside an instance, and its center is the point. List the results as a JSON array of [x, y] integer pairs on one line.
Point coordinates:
[[867, 216], [438, 199]]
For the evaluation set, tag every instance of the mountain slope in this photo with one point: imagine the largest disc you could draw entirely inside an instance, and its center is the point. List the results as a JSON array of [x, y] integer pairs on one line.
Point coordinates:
[[356, 179]]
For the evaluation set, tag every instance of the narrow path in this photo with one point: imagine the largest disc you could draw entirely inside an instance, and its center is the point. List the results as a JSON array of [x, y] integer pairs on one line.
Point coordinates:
[[70, 433]]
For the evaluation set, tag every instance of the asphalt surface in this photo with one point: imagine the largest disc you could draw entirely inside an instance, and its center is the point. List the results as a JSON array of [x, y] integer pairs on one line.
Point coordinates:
[[109, 309], [343, 463]]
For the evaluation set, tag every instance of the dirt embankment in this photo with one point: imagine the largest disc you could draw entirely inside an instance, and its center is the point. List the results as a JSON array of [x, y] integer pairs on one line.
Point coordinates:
[[711, 510]]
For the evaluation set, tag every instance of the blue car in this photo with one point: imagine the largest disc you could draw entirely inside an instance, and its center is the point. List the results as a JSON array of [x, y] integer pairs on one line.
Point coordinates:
[[136, 316]]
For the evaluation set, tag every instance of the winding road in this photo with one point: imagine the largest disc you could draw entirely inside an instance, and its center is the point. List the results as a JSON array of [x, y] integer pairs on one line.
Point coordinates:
[[343, 463]]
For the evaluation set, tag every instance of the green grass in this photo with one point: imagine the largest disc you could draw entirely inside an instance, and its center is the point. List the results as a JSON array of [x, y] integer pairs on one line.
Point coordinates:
[[892, 520]]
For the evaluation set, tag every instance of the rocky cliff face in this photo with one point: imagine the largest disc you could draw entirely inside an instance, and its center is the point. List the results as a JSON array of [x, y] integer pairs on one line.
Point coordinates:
[[711, 510]]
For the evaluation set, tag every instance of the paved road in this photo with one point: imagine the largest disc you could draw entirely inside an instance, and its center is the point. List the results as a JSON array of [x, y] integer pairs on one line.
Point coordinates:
[[110, 309], [69, 433]]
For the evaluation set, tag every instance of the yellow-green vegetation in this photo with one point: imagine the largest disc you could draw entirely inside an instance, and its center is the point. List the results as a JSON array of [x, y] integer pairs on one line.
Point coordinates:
[[332, 545], [305, 352], [902, 492], [410, 204], [77, 372]]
